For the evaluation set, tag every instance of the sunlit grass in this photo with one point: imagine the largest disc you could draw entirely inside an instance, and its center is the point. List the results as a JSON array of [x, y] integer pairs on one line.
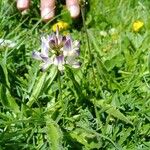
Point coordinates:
[[102, 105]]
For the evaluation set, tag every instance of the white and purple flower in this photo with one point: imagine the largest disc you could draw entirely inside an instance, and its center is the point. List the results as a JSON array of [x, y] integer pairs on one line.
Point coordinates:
[[58, 50]]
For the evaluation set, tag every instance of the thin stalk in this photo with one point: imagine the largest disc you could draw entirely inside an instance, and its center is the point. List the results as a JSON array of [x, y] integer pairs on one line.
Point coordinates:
[[90, 61], [59, 84], [63, 105]]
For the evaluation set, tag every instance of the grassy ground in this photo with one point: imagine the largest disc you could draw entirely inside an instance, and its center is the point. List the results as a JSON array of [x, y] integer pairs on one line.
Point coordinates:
[[103, 105]]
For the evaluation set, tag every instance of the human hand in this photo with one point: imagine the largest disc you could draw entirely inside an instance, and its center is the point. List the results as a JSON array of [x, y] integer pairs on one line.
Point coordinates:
[[48, 8]]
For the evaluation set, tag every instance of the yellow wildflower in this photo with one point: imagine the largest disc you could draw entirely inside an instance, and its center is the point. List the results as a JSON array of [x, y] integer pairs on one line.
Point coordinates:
[[137, 25], [61, 25]]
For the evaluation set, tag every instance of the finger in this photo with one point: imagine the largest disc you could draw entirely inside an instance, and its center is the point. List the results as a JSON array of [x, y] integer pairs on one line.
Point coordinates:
[[73, 7], [23, 4], [47, 9]]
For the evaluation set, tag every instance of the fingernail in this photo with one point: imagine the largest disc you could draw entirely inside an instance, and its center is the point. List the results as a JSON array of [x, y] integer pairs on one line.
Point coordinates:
[[47, 13], [74, 11], [22, 4]]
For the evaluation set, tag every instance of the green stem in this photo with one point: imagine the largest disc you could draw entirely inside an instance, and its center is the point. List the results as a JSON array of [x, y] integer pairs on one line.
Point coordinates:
[[90, 61], [60, 98], [59, 84]]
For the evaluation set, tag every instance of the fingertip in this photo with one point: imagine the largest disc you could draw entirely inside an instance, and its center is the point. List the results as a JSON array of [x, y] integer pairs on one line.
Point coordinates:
[[47, 9], [23, 4], [73, 7], [74, 11], [47, 14]]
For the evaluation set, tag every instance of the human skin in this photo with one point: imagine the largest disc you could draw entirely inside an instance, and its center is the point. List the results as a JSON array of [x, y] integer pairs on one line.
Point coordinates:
[[47, 8]]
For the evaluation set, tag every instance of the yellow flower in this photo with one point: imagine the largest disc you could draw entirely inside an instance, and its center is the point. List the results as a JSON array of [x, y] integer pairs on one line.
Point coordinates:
[[61, 25], [137, 25]]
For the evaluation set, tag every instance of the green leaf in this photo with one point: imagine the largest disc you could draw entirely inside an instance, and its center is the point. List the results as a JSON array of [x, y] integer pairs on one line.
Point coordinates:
[[111, 110], [54, 135], [115, 61], [4, 74], [40, 85], [89, 140], [124, 135], [7, 100], [105, 75], [37, 89], [76, 87]]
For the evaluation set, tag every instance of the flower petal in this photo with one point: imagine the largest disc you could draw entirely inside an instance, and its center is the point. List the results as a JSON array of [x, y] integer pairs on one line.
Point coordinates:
[[68, 44], [70, 60], [60, 67], [44, 58], [78, 52], [46, 65], [59, 60], [52, 43], [76, 65], [64, 39], [67, 48], [44, 46], [76, 45], [36, 55]]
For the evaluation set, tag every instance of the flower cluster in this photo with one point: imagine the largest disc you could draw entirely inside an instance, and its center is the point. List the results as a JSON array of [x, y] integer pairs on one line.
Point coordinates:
[[58, 50]]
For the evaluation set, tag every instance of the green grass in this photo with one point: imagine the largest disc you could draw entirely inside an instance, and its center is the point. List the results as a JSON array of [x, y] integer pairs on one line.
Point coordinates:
[[103, 105]]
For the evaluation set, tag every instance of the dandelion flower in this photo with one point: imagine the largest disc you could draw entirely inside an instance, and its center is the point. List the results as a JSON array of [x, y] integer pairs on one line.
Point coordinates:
[[61, 25], [58, 50], [137, 25]]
